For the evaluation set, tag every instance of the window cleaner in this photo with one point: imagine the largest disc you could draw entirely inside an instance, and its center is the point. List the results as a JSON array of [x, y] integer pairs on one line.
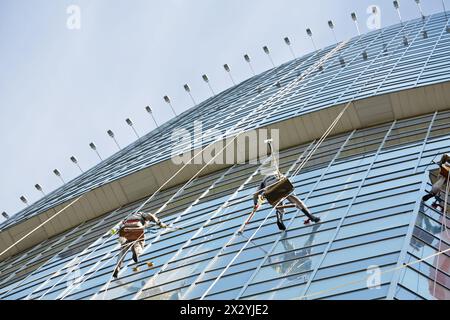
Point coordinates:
[[132, 236], [438, 178], [275, 188]]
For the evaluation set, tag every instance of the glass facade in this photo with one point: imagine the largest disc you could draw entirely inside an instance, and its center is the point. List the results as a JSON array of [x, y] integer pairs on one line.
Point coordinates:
[[366, 185]]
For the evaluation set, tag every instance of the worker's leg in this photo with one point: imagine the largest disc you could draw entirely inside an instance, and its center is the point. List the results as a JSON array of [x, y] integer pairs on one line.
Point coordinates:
[[280, 213], [300, 205], [138, 247], [123, 251], [437, 186]]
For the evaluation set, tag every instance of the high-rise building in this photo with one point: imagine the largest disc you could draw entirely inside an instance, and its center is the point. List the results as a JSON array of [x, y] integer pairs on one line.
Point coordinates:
[[376, 238]]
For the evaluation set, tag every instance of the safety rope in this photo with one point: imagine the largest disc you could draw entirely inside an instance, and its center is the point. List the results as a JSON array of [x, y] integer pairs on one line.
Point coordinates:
[[322, 139], [233, 237]]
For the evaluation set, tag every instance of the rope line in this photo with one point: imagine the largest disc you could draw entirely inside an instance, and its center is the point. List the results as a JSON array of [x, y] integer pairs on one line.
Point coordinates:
[[322, 139]]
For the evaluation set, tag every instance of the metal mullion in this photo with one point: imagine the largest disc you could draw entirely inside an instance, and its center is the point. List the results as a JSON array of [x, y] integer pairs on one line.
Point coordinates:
[[416, 168], [346, 213], [241, 292]]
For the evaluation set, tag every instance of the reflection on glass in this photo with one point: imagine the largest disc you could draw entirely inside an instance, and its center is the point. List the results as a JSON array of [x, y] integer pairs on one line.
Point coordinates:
[[296, 262], [437, 274]]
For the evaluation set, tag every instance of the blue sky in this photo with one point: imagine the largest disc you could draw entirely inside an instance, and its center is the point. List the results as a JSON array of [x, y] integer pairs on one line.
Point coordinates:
[[61, 89]]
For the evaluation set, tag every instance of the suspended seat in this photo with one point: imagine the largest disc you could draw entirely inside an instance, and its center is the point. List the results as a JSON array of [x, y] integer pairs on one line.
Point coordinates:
[[278, 191], [132, 234]]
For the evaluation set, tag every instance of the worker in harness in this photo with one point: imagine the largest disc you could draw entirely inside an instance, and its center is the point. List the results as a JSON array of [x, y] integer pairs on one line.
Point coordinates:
[[132, 236], [276, 188], [444, 167]]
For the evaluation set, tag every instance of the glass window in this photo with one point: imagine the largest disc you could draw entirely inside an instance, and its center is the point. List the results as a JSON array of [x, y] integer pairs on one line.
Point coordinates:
[[362, 251], [346, 283]]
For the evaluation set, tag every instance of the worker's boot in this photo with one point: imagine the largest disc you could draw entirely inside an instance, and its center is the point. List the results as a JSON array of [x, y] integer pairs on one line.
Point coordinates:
[[310, 216], [135, 257], [427, 197], [280, 223], [315, 219]]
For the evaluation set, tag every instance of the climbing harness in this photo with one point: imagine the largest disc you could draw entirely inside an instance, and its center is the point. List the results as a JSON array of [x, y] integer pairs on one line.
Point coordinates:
[[132, 234]]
